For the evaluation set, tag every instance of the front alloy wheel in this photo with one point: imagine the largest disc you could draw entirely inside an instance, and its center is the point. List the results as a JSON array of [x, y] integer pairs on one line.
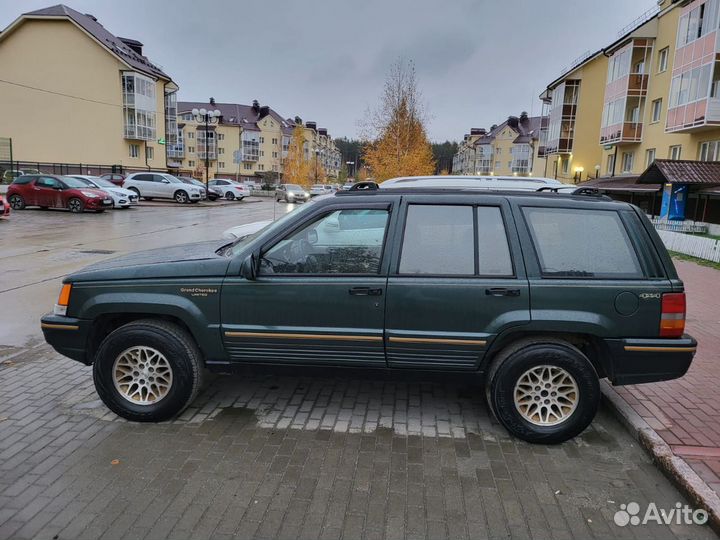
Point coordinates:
[[75, 205], [181, 197], [142, 375], [16, 202]]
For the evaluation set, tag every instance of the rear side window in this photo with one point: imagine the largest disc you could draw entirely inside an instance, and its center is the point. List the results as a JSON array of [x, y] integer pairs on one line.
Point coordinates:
[[442, 240], [24, 179], [573, 242]]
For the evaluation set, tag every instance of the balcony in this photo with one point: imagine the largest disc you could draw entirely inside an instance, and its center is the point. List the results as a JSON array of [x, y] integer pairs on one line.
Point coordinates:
[[176, 151], [694, 116], [626, 132]]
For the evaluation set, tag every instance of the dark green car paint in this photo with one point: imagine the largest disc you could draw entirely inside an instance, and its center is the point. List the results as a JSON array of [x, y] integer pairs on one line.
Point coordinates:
[[425, 322]]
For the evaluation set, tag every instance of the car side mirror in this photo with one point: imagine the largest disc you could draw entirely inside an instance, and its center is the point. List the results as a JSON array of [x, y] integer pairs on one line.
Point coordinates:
[[248, 268], [165, 181]]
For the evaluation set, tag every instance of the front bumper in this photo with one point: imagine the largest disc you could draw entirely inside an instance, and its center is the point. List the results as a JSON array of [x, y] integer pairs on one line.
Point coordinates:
[[67, 335], [634, 361]]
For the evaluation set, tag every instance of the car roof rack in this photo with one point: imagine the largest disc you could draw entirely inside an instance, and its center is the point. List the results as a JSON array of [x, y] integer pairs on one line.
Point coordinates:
[[366, 185]]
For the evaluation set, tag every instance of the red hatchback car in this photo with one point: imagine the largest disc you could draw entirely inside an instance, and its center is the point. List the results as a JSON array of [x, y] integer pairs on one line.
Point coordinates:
[[49, 191]]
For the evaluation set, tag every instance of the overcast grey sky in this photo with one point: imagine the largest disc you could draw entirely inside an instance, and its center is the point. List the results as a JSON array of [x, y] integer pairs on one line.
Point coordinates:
[[478, 61]]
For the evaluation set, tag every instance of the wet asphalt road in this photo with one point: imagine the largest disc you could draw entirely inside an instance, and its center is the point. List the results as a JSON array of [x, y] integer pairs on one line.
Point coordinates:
[[38, 248]]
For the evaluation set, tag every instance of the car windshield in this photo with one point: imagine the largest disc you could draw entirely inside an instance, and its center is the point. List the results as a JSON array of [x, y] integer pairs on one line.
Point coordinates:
[[69, 181], [293, 187], [85, 181], [238, 245], [101, 182]]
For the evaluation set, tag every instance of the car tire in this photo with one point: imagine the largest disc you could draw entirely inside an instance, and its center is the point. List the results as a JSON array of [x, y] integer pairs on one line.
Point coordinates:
[[76, 205], [16, 202], [230, 196], [543, 390], [157, 347], [181, 197]]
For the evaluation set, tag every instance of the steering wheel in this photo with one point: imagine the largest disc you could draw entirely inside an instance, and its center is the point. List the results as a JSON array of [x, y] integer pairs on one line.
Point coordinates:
[[312, 265]]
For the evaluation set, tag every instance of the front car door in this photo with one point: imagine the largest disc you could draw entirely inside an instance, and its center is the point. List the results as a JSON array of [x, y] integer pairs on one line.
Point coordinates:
[[48, 192], [319, 296], [456, 281]]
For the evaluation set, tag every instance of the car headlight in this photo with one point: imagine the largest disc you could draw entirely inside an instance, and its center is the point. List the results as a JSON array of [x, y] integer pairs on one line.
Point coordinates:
[[89, 194]]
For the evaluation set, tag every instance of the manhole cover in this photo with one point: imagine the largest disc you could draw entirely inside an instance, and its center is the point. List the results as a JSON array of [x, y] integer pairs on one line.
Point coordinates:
[[98, 251]]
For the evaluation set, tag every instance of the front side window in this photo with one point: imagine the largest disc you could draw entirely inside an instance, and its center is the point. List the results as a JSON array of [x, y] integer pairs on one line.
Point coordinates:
[[47, 182], [348, 241], [561, 237]]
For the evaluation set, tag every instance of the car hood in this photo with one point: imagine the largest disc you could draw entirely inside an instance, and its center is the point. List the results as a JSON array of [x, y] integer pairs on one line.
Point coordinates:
[[122, 192], [99, 192], [196, 259]]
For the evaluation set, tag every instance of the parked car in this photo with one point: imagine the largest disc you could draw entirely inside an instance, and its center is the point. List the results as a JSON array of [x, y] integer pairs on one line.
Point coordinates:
[[151, 186], [542, 294], [115, 178], [9, 176], [243, 231], [195, 182], [4, 208], [290, 193], [319, 189], [52, 191], [122, 198], [231, 190]]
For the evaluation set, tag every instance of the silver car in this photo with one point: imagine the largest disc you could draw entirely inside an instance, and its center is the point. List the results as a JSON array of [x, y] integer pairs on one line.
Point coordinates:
[[291, 193], [151, 186]]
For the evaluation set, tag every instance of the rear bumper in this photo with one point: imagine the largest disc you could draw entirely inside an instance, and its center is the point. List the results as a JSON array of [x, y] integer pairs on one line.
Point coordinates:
[[634, 361], [67, 335]]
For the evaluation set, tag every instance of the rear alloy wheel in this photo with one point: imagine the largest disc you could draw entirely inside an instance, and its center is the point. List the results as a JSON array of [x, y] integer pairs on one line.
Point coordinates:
[[16, 202], [181, 197], [148, 370], [230, 196], [543, 390], [76, 205]]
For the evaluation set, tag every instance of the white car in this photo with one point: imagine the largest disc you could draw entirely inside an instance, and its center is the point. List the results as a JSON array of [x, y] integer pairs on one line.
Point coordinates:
[[121, 197], [231, 190], [151, 186], [243, 231], [319, 189]]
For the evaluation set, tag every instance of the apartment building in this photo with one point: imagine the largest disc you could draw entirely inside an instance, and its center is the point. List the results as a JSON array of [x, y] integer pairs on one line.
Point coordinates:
[[74, 93], [653, 93], [248, 143], [513, 148]]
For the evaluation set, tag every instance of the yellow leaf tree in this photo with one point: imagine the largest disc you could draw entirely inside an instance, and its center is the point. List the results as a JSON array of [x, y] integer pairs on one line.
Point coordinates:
[[296, 169], [400, 146]]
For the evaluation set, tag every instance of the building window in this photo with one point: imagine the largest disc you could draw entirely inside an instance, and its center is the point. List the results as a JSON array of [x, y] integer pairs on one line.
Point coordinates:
[[261, 167], [565, 166], [627, 161], [247, 166], [274, 154], [221, 150], [656, 110], [134, 150], [191, 135], [663, 60], [710, 151], [149, 152], [610, 163], [221, 136], [649, 157], [191, 149], [274, 141], [262, 140], [675, 151], [262, 152], [191, 163], [497, 164], [498, 151], [221, 164]]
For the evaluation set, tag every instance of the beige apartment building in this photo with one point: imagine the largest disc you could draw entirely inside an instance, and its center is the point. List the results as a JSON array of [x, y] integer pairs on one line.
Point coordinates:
[[653, 93], [248, 143], [74, 93], [513, 148]]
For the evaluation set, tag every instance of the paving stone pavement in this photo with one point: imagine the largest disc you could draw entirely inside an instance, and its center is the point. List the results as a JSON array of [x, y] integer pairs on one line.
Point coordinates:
[[304, 454]]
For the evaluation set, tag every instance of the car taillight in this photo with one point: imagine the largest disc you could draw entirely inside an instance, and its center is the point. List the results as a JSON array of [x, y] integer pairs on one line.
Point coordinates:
[[672, 318], [63, 300]]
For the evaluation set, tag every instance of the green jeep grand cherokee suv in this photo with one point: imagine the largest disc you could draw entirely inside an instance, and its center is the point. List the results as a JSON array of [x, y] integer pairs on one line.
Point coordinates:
[[542, 293]]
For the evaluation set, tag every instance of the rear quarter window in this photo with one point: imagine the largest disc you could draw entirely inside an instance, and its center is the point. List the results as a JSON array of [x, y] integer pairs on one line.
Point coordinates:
[[25, 179], [573, 242]]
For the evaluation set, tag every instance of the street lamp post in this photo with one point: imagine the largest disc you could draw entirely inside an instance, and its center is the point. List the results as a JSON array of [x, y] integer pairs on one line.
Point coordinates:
[[208, 118], [351, 165]]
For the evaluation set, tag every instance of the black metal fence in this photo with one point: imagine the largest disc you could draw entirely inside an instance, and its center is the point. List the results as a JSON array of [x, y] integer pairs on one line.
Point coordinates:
[[60, 168]]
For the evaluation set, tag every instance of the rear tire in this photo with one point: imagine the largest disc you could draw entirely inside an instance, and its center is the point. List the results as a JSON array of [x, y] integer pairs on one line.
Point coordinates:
[[138, 351], [543, 390], [16, 202], [75, 205], [230, 196]]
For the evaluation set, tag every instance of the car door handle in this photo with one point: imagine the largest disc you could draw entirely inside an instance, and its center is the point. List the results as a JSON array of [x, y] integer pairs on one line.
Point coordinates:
[[364, 291], [502, 291]]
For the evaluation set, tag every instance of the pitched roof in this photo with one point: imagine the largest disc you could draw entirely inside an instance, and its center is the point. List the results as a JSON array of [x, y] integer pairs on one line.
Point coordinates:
[[681, 172], [113, 43], [619, 183], [528, 129], [237, 114]]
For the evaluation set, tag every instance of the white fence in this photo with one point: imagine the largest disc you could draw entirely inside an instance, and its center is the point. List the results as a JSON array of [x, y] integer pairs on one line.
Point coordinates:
[[697, 246]]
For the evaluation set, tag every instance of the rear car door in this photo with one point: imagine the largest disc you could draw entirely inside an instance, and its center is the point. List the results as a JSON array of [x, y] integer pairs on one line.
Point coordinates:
[[590, 267], [456, 281], [319, 296]]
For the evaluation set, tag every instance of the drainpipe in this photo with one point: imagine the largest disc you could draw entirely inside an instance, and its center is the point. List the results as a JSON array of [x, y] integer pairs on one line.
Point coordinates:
[[612, 173]]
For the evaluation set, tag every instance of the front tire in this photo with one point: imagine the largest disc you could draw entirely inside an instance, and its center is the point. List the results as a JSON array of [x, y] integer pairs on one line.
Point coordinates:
[[76, 205], [181, 197], [148, 370], [16, 202], [543, 391]]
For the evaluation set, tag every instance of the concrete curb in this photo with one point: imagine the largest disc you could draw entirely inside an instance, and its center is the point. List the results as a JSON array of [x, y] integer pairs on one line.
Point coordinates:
[[674, 467]]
